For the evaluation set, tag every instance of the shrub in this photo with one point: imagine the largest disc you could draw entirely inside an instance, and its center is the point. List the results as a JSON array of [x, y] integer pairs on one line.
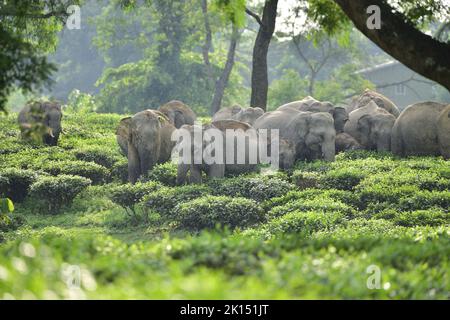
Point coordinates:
[[94, 172], [209, 211], [119, 170], [363, 154], [128, 195], [305, 222], [431, 217], [57, 192], [103, 156], [319, 204], [305, 180], [165, 199], [344, 178], [165, 173], [15, 183], [424, 200], [256, 188], [346, 197], [381, 193]]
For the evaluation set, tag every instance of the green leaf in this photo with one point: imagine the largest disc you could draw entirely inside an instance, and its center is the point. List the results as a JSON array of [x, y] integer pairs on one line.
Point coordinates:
[[6, 206]]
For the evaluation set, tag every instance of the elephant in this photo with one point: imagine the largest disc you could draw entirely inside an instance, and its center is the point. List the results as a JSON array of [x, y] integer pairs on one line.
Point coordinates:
[[226, 113], [196, 149], [371, 126], [312, 134], [345, 142], [122, 133], [43, 118], [310, 104], [286, 150], [149, 142], [248, 115], [443, 129], [379, 99], [178, 113], [415, 131]]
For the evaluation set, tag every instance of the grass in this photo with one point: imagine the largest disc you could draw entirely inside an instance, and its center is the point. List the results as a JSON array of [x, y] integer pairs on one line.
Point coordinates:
[[323, 227]]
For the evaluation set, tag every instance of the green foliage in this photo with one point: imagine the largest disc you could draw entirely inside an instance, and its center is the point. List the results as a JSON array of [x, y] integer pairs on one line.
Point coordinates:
[[430, 217], [165, 199], [290, 87], [209, 211], [15, 183], [343, 178], [96, 173], [251, 187], [128, 195], [165, 173], [54, 193]]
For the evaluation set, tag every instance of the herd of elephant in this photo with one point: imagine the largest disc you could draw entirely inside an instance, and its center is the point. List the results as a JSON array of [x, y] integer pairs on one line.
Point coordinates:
[[308, 129]]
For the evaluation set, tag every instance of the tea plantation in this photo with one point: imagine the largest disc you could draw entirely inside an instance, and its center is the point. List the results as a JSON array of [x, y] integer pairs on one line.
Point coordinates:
[[366, 226]]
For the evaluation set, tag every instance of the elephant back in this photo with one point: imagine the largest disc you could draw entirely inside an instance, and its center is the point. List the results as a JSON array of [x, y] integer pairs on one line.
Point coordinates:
[[443, 128]]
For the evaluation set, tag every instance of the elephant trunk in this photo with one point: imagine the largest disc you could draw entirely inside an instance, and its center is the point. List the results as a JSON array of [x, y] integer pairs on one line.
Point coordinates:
[[329, 151], [384, 142]]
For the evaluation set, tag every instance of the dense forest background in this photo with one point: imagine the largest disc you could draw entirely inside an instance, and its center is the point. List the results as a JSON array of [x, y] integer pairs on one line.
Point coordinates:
[[127, 60]]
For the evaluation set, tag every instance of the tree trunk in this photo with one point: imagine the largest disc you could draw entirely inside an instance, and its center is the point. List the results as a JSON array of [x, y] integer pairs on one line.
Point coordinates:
[[260, 82], [222, 82], [418, 51]]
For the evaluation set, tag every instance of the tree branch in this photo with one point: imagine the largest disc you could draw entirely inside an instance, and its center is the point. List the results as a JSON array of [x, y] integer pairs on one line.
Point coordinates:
[[255, 16], [400, 39]]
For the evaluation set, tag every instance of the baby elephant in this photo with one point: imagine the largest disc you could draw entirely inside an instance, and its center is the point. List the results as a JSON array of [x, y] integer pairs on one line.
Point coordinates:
[[42, 119]]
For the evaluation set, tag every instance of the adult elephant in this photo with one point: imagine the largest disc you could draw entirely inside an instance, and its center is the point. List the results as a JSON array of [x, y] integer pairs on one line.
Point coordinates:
[[43, 118], [195, 145], [415, 131], [339, 114], [149, 142], [248, 115], [178, 113], [226, 113], [286, 150], [371, 126], [380, 100], [312, 134], [443, 130]]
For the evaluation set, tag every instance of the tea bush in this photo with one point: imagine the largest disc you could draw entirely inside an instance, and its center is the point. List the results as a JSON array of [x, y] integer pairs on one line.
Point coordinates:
[[430, 217], [94, 172], [165, 173], [256, 188], [209, 211], [54, 193], [15, 183], [128, 195], [165, 199], [344, 179], [103, 156], [317, 204]]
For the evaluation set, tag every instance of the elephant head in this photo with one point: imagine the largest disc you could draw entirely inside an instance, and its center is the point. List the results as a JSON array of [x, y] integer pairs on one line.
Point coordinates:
[[178, 113], [287, 154], [375, 131], [52, 120], [249, 115], [315, 136], [340, 117]]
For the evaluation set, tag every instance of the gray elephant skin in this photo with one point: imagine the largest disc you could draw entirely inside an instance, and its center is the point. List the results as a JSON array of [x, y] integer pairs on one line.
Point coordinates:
[[44, 117], [380, 100], [226, 113], [371, 126], [248, 115], [312, 134], [309, 104], [148, 142], [178, 113], [192, 172], [345, 142], [415, 131]]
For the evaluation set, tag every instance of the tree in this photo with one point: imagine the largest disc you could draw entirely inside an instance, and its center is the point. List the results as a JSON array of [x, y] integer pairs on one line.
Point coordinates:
[[260, 81], [399, 34], [28, 31]]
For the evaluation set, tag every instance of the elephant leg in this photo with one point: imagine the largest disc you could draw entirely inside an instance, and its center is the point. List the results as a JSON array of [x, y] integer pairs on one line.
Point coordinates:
[[182, 173], [196, 174], [134, 165]]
